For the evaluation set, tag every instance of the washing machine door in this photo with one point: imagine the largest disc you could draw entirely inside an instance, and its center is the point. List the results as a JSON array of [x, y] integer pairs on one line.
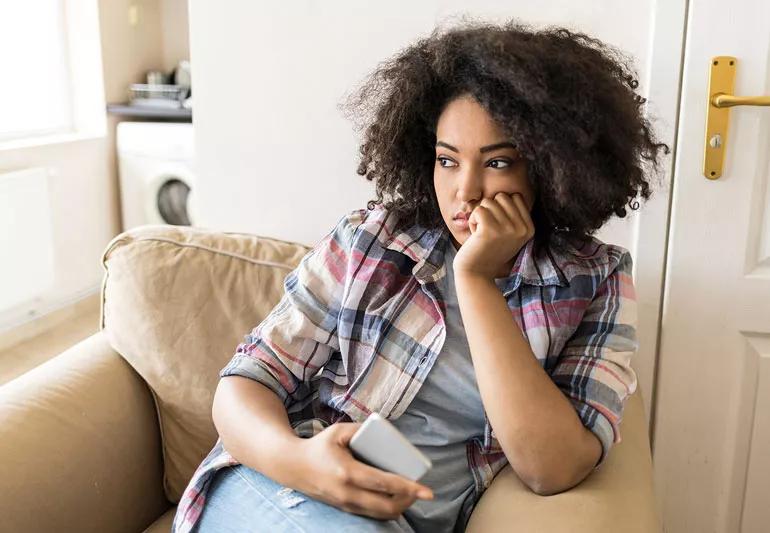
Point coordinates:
[[168, 198]]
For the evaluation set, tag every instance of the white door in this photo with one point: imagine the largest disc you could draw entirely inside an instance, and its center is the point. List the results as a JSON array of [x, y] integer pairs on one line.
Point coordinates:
[[711, 426]]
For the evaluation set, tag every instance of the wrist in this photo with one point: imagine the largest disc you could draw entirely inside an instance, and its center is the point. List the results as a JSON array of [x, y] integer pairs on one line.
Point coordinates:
[[282, 459], [471, 276]]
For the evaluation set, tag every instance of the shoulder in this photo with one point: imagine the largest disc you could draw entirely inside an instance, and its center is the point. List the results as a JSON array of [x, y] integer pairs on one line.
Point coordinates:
[[593, 258], [361, 226], [345, 230]]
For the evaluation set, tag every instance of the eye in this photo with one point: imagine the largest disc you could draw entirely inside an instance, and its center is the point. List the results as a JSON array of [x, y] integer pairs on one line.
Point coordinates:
[[505, 161]]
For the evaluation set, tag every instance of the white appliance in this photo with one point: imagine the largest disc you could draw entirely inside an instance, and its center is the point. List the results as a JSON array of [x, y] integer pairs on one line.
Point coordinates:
[[157, 181]]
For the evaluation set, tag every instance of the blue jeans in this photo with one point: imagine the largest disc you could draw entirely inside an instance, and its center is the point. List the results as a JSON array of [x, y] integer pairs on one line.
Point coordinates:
[[240, 499]]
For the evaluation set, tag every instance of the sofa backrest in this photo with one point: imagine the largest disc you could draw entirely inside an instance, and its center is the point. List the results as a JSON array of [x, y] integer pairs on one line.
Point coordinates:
[[176, 302]]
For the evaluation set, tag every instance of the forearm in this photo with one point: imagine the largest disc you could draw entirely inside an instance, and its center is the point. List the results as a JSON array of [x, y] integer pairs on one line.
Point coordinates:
[[254, 427], [536, 425]]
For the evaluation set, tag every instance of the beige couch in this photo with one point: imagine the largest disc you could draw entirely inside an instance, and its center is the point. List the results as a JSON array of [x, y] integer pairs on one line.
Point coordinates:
[[105, 436]]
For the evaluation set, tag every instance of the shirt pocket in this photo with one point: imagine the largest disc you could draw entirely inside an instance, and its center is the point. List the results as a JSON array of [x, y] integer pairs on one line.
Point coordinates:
[[393, 336]]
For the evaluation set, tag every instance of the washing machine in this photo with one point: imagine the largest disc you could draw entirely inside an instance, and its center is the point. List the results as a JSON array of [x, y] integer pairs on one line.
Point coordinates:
[[155, 168]]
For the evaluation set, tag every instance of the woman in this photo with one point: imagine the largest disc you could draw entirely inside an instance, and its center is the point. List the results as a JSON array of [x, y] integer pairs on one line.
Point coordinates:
[[516, 318]]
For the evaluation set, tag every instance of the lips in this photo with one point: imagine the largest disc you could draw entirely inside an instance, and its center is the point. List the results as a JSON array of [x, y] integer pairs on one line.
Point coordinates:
[[461, 224], [461, 216]]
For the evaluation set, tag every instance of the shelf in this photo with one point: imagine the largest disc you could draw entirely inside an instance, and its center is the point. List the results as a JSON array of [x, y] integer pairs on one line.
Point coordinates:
[[127, 110]]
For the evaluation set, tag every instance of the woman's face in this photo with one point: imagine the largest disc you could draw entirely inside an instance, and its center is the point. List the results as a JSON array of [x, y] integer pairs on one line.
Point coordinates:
[[474, 160]]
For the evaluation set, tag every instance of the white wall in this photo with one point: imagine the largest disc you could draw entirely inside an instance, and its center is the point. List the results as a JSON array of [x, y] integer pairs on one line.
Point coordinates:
[[275, 157], [175, 34]]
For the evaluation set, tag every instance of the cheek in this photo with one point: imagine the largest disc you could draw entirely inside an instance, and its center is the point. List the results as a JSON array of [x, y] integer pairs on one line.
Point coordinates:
[[443, 197], [530, 199], [525, 188]]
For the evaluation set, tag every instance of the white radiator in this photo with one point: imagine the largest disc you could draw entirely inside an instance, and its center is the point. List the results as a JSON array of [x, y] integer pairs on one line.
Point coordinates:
[[26, 237]]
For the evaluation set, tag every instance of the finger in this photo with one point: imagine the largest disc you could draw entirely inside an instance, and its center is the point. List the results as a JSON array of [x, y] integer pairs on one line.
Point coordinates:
[[403, 502], [375, 504], [473, 222], [481, 215], [345, 431], [495, 209], [519, 202], [507, 204], [353, 507], [369, 477]]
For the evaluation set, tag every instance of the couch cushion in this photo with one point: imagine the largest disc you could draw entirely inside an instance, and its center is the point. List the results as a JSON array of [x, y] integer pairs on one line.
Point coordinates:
[[164, 523], [176, 302]]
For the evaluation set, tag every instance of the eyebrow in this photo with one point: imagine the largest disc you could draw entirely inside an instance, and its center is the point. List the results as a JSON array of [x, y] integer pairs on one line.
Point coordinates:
[[483, 149]]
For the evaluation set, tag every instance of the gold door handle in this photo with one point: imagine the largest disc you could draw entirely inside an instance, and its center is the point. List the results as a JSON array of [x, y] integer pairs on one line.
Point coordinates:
[[729, 100], [720, 100]]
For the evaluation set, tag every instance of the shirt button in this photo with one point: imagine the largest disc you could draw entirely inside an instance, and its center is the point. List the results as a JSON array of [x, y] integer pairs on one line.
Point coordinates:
[[423, 360]]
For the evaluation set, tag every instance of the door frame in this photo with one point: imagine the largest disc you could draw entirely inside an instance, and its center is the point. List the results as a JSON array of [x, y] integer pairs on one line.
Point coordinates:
[[664, 82]]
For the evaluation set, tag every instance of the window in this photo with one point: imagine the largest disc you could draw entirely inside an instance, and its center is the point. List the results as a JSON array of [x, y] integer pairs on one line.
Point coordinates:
[[51, 65], [35, 96]]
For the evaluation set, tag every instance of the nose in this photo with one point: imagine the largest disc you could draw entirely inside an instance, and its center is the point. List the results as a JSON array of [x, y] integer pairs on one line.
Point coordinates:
[[469, 186]]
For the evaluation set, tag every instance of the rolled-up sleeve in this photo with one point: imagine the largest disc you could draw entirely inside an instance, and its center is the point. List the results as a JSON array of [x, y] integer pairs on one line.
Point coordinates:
[[299, 335], [594, 369]]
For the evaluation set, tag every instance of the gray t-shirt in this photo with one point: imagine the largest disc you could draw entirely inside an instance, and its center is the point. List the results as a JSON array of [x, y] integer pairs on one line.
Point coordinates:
[[446, 412]]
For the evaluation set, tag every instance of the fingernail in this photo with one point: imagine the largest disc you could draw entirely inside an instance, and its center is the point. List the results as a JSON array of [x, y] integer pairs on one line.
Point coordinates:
[[422, 493]]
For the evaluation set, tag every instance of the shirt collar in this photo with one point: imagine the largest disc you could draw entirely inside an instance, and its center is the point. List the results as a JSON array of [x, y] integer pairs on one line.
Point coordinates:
[[426, 247]]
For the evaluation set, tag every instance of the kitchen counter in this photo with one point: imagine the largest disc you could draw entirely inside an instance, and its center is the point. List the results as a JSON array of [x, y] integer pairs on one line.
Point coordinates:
[[181, 114]]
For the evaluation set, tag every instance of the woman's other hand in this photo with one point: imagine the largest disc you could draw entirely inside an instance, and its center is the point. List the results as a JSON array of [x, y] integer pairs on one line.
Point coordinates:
[[329, 472]]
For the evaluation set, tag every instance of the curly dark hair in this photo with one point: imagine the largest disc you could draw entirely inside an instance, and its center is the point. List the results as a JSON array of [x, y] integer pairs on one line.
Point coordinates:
[[567, 100]]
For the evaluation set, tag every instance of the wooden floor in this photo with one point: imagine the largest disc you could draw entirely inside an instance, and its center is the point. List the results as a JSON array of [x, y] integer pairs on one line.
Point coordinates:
[[52, 335]]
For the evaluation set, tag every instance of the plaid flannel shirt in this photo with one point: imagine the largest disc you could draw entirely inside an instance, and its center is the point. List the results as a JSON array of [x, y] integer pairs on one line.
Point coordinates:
[[361, 323]]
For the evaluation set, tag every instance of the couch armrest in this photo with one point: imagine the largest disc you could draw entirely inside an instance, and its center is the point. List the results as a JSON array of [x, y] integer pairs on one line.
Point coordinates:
[[619, 496], [80, 445]]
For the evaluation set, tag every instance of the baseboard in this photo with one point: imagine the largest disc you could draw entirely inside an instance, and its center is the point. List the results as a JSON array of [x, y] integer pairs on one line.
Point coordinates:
[[53, 315]]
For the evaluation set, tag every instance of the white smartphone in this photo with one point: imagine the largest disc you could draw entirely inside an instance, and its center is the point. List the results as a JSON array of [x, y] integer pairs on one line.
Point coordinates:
[[380, 444]]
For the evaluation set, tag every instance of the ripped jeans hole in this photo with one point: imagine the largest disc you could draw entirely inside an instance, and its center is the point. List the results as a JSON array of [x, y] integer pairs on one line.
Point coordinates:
[[289, 497]]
